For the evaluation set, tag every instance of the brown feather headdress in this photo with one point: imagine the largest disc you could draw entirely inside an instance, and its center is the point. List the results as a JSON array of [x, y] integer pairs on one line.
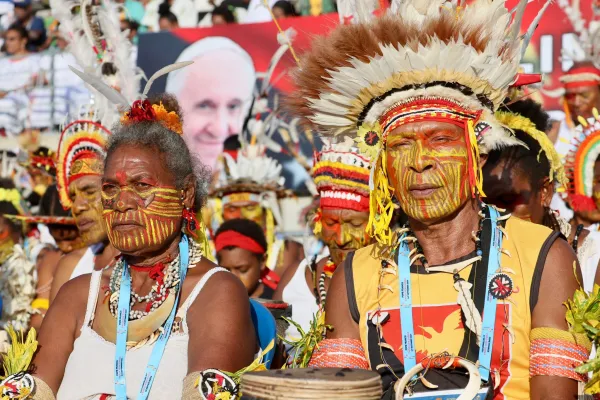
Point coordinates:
[[424, 60]]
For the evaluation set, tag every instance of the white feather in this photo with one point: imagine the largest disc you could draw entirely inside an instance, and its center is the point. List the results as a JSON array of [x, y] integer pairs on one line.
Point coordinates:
[[118, 51], [111, 94], [164, 71]]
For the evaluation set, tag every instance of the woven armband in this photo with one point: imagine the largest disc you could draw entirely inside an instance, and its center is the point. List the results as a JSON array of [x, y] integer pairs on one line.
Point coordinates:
[[210, 384], [339, 353], [555, 352], [42, 391]]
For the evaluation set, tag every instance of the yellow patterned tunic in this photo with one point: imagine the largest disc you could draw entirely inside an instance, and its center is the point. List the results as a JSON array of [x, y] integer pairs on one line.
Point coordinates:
[[437, 318]]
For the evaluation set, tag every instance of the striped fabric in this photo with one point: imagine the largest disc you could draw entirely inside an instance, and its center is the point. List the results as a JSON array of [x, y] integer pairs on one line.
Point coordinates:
[[339, 353]]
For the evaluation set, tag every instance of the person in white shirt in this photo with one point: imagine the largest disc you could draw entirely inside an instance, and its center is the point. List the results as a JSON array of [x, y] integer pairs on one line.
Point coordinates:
[[18, 73]]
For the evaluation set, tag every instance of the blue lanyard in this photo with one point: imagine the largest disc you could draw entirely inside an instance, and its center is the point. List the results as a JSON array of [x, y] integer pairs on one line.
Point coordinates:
[[489, 308], [161, 343]]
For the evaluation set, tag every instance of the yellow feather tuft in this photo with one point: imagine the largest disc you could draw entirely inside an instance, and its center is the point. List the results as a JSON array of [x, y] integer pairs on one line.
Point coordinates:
[[582, 121], [515, 121], [474, 149], [380, 204], [21, 351]]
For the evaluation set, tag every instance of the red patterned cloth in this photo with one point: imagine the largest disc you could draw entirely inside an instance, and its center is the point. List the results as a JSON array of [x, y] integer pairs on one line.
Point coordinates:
[[556, 357], [339, 353]]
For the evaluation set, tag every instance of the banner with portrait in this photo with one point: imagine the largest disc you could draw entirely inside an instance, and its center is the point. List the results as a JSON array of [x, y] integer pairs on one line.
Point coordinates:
[[216, 91]]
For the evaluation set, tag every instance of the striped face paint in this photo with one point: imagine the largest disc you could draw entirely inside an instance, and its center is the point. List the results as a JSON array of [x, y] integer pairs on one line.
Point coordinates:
[[139, 216], [343, 231], [428, 169]]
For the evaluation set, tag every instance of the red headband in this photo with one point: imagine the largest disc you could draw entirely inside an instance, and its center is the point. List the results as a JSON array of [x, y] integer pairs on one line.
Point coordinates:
[[236, 239], [570, 79]]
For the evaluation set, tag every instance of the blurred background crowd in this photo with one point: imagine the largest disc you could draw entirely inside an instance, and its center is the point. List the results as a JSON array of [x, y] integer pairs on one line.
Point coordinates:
[[37, 89]]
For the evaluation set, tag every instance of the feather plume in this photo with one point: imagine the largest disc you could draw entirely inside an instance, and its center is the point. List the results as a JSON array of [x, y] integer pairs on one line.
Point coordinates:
[[163, 71], [21, 351], [118, 51], [71, 30], [533, 26], [111, 94], [285, 41], [518, 19], [87, 22]]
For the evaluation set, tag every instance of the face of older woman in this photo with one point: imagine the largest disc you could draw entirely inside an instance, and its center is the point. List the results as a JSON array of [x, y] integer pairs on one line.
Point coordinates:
[[142, 207], [217, 89], [427, 163]]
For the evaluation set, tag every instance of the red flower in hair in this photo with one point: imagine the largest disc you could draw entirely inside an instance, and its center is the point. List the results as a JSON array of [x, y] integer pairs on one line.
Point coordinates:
[[141, 111]]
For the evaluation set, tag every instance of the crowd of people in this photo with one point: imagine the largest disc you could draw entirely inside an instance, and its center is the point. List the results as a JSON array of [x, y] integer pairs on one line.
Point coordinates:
[[450, 248], [37, 88]]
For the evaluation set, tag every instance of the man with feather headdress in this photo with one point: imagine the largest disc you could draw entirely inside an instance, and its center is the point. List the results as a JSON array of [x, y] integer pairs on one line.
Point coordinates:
[[463, 298]]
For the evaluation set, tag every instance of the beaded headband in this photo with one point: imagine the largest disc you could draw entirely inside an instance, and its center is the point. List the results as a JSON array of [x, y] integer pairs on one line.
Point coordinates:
[[341, 176]]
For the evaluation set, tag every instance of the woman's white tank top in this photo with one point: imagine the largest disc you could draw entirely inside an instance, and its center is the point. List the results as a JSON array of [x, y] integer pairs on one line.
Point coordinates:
[[89, 372]]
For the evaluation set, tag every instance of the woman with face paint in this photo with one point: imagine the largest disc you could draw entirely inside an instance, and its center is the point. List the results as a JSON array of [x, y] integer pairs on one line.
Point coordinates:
[[155, 323], [522, 180], [463, 294]]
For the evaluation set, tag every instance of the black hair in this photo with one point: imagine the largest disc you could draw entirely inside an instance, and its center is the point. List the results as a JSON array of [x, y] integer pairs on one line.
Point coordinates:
[[245, 227], [20, 29], [232, 143], [50, 204], [169, 16], [170, 147], [530, 160], [132, 25], [287, 7], [225, 12]]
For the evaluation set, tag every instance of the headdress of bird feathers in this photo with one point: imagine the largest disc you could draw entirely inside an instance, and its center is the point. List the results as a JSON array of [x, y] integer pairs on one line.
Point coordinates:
[[341, 175], [95, 39], [587, 45], [81, 152], [422, 60]]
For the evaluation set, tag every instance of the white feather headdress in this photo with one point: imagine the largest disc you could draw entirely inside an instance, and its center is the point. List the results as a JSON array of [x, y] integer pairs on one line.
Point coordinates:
[[588, 33], [361, 88], [95, 39]]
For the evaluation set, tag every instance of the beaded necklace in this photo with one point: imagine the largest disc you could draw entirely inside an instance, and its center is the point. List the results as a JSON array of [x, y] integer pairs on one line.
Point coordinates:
[[167, 278], [417, 251]]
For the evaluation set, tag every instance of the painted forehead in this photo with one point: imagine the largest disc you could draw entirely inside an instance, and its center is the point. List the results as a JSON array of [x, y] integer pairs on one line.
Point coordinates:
[[426, 128], [131, 163]]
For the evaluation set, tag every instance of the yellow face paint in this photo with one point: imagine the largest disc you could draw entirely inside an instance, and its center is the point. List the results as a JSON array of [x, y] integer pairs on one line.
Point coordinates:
[[85, 195], [428, 170], [344, 230], [140, 217], [246, 210]]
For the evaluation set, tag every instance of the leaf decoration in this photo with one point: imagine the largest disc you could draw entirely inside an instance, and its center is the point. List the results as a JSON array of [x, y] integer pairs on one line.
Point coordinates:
[[21, 351], [302, 349], [583, 317]]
